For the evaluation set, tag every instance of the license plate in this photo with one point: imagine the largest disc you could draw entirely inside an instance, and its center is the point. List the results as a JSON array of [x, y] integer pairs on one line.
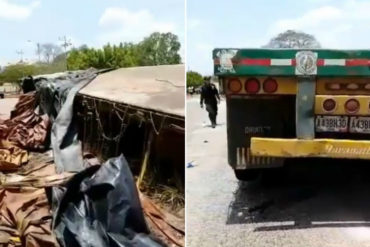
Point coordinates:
[[359, 125], [331, 124]]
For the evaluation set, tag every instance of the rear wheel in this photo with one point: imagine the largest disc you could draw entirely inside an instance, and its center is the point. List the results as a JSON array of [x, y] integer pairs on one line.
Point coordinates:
[[2, 96], [247, 175]]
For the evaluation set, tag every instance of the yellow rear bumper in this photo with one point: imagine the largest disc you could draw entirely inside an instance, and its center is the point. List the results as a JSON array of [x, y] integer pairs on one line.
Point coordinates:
[[329, 148]]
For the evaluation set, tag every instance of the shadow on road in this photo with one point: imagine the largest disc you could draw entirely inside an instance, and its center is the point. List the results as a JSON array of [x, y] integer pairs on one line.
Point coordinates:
[[210, 126], [305, 194]]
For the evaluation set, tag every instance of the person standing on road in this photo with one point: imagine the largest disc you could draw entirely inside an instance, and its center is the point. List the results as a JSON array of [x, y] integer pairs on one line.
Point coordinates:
[[210, 97]]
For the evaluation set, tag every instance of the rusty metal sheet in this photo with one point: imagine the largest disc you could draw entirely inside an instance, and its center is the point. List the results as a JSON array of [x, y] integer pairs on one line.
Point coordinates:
[[159, 88], [25, 218], [26, 128], [11, 157]]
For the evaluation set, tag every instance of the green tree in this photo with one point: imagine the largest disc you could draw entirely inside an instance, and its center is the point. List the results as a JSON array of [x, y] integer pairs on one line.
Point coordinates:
[[293, 39], [13, 73], [159, 49], [193, 79]]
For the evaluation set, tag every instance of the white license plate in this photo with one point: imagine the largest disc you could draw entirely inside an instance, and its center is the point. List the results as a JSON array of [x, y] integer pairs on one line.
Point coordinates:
[[331, 124], [359, 125]]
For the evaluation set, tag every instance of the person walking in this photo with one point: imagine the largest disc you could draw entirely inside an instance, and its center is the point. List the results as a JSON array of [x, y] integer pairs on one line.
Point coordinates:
[[210, 97]]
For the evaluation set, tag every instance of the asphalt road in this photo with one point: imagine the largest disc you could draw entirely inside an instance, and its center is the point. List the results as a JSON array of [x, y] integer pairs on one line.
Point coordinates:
[[308, 203]]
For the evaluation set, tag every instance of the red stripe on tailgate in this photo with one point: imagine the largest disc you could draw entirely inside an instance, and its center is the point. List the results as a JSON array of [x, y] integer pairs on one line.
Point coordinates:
[[357, 62], [320, 62], [257, 62]]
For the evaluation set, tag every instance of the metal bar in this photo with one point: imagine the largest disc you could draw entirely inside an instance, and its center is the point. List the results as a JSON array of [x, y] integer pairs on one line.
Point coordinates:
[[305, 100]]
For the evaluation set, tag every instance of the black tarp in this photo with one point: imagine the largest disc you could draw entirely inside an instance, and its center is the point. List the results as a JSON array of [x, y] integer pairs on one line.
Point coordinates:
[[55, 97], [100, 207]]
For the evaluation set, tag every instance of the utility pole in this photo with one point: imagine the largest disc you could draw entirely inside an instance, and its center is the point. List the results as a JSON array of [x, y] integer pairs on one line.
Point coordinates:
[[20, 53], [38, 49], [65, 44]]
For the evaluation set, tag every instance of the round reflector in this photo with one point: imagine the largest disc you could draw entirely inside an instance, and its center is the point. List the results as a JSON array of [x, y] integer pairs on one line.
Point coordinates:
[[333, 86], [329, 105], [352, 86], [352, 106], [252, 85], [235, 85], [270, 85]]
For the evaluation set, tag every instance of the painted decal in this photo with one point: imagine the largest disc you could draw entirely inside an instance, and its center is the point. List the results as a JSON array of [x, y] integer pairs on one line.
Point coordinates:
[[306, 63], [347, 150], [225, 60], [256, 129]]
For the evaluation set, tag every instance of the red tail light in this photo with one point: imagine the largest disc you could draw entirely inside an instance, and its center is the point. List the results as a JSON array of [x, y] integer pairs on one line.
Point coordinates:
[[252, 86], [235, 85], [352, 106], [270, 85], [329, 105]]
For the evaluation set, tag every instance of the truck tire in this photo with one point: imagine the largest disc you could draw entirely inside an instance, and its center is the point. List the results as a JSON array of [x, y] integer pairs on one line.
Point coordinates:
[[247, 175], [2, 96]]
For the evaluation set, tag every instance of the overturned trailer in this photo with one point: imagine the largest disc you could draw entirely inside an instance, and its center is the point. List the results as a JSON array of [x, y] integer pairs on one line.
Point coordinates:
[[138, 112]]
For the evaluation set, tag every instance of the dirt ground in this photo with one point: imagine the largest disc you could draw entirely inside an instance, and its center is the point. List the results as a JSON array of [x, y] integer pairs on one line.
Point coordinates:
[[6, 105], [308, 203]]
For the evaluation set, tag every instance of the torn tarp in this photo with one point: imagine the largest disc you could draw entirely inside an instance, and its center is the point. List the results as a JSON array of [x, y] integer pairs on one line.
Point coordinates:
[[101, 208], [25, 218], [66, 146], [11, 157], [52, 103], [26, 128], [55, 96]]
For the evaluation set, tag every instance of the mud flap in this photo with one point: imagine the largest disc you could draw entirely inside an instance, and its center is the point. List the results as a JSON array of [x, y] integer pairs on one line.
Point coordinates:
[[262, 117]]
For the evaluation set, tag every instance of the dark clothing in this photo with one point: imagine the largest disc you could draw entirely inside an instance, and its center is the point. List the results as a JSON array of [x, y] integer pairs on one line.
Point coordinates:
[[209, 95], [212, 112], [28, 85]]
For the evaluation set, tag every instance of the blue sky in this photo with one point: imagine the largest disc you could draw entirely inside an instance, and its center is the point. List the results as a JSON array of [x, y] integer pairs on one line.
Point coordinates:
[[337, 24], [91, 22]]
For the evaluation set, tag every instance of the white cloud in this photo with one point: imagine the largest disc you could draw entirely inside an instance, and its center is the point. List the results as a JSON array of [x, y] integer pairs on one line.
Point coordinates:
[[12, 11], [120, 24], [345, 25], [310, 19]]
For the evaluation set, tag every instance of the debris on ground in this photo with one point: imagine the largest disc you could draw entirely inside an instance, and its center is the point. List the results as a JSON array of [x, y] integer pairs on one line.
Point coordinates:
[[54, 195], [190, 165], [107, 196]]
